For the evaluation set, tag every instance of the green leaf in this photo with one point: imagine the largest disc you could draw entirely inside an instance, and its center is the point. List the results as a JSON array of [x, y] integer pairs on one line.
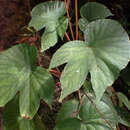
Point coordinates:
[[87, 87], [93, 120], [67, 110], [49, 38], [83, 24], [73, 77], [88, 118], [123, 116], [107, 99], [69, 124], [62, 26], [46, 12], [13, 121], [18, 73], [92, 11], [49, 14], [104, 53], [124, 99]]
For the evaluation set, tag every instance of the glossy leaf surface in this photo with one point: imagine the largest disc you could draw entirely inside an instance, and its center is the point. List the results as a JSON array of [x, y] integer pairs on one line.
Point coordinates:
[[49, 14], [103, 54], [19, 73]]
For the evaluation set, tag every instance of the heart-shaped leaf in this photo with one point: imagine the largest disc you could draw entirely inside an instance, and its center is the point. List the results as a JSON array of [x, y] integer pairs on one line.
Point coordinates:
[[92, 11], [18, 72], [49, 14], [104, 53], [13, 121], [89, 118]]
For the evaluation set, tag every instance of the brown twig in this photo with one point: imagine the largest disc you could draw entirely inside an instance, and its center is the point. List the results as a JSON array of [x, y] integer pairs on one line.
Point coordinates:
[[55, 73], [68, 16], [80, 99], [67, 36], [76, 16], [99, 111]]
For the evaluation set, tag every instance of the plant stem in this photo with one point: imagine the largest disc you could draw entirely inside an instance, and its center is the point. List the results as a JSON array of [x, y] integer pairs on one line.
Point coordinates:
[[68, 16], [76, 16], [67, 36], [55, 73], [58, 84], [99, 111], [80, 99]]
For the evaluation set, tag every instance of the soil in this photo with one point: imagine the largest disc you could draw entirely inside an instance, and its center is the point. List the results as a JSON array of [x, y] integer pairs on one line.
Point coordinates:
[[14, 14]]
